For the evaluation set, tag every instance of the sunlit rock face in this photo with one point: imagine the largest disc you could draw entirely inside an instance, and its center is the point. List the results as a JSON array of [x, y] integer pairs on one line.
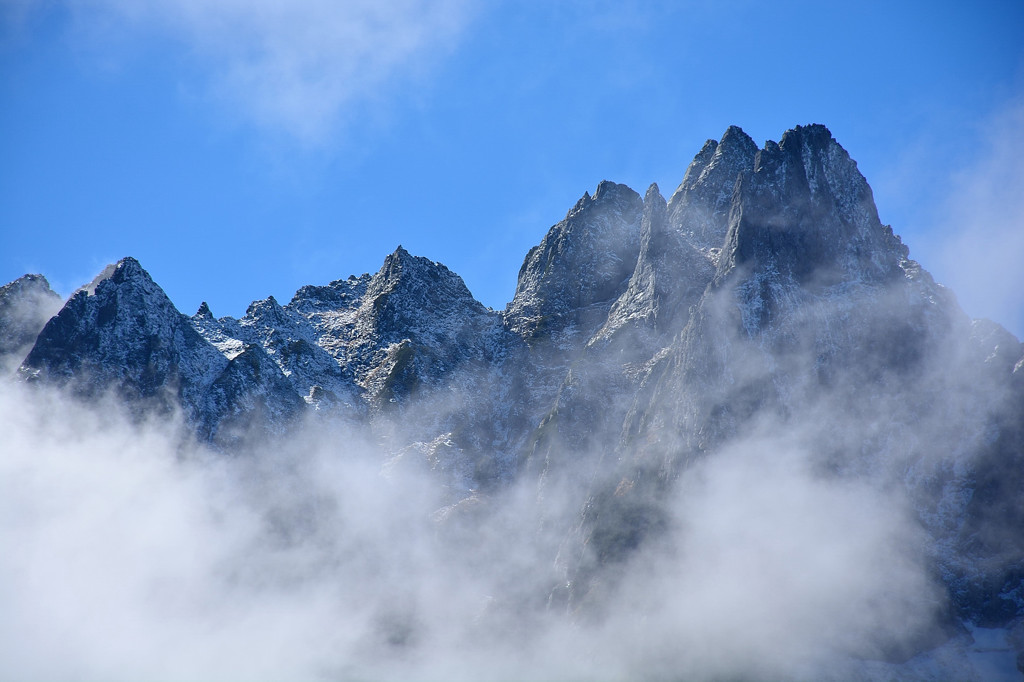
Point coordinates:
[[763, 301], [570, 279], [122, 333], [699, 207]]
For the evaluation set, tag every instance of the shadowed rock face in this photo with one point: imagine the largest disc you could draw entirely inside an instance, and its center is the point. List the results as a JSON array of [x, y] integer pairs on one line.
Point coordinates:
[[806, 213], [644, 336]]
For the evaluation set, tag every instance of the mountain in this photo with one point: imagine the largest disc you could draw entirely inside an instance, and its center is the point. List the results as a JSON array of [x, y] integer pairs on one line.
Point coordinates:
[[763, 301], [25, 306]]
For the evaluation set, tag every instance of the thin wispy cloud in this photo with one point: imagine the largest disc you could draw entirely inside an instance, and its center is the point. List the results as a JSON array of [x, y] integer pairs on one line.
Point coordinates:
[[984, 223], [299, 66]]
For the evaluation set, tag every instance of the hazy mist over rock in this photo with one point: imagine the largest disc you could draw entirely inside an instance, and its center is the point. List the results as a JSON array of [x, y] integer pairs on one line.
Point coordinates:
[[734, 434]]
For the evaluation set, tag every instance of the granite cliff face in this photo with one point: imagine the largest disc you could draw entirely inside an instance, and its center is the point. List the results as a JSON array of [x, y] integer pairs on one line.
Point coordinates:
[[645, 336]]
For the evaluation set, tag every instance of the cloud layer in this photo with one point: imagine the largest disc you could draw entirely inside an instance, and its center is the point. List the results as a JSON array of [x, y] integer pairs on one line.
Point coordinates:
[[135, 556]]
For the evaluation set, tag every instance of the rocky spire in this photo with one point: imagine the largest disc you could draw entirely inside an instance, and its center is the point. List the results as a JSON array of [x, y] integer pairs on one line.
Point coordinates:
[[584, 260], [699, 208], [204, 312], [670, 273], [806, 212], [415, 297]]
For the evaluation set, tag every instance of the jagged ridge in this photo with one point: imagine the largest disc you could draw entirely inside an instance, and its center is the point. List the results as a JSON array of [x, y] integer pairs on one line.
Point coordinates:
[[644, 335]]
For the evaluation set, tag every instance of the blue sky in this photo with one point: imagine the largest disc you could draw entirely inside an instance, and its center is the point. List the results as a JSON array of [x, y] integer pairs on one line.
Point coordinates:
[[243, 148]]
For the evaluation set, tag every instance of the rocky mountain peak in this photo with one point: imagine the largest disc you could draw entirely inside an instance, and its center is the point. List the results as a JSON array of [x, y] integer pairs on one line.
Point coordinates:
[[204, 312], [805, 212], [25, 306], [607, 195], [611, 191], [398, 261], [699, 208], [580, 204], [423, 285], [28, 284], [809, 163], [699, 163], [121, 330], [24, 292], [584, 260], [653, 197], [415, 324], [268, 310], [123, 271]]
